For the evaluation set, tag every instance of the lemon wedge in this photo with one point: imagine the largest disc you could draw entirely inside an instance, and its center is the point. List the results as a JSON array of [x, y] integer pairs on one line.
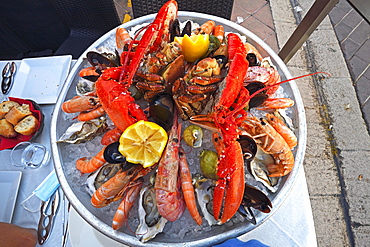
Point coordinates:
[[195, 46], [143, 143]]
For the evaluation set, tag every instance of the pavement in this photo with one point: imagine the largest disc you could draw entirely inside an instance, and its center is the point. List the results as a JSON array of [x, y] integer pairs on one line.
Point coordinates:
[[337, 109]]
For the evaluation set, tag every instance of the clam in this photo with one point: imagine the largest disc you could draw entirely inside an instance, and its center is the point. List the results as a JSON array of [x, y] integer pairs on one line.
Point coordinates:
[[151, 222]]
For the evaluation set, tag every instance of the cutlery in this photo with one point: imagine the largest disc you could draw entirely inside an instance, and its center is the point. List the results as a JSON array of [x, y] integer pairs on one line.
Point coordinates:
[[48, 212], [66, 222], [8, 73]]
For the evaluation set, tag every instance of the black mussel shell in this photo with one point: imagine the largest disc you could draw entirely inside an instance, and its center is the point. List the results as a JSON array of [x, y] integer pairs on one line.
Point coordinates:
[[249, 147], [187, 29], [112, 155], [102, 61], [260, 97], [256, 199], [221, 60], [247, 213], [175, 29], [161, 110], [252, 59]]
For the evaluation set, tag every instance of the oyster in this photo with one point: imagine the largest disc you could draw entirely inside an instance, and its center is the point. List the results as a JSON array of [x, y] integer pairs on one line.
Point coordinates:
[[100, 176], [84, 131], [204, 191], [84, 86], [258, 169], [151, 222]]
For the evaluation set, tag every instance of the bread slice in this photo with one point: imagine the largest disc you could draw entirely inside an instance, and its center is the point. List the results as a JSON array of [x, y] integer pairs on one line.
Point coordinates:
[[27, 125], [17, 113], [6, 106], [7, 129]]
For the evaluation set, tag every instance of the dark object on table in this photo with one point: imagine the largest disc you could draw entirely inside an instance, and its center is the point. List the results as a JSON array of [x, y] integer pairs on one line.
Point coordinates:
[[42, 28], [218, 8], [8, 74]]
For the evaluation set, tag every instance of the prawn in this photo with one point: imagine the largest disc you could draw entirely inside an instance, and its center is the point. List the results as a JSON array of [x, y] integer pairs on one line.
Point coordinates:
[[80, 103], [283, 130], [170, 201], [95, 113], [187, 188], [271, 142], [121, 215], [85, 165]]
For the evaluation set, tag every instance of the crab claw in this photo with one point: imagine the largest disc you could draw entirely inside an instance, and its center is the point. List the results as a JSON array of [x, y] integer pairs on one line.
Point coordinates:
[[229, 190]]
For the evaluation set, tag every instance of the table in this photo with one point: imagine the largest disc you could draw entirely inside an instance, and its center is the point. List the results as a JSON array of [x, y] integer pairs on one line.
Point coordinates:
[[291, 225]]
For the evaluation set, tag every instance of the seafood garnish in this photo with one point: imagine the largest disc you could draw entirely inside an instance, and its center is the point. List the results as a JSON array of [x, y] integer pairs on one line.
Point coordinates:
[[151, 222], [84, 131]]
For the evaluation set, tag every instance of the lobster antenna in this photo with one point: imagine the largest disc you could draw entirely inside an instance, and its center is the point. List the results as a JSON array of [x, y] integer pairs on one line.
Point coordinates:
[[245, 103]]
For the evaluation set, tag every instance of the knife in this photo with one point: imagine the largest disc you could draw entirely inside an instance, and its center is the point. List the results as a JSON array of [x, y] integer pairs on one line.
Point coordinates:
[[48, 212], [8, 73]]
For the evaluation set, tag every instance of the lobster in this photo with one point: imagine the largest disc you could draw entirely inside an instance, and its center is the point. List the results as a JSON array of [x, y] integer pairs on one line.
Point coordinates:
[[112, 86], [229, 187]]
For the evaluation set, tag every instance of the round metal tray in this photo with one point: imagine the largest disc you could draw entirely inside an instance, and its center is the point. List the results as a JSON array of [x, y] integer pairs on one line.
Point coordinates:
[[80, 199]]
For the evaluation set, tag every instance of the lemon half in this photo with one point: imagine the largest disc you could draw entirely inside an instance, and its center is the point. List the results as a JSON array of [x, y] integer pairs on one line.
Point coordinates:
[[194, 47], [143, 143]]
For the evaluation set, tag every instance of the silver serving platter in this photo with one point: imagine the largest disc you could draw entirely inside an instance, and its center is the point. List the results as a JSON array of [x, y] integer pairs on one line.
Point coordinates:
[[80, 199]]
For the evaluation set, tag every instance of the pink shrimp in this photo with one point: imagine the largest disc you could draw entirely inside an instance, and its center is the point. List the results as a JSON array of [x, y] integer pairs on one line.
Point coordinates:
[[95, 113], [187, 188], [167, 186]]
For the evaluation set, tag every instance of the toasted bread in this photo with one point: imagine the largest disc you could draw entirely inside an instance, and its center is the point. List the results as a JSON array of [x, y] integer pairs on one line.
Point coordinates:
[[7, 129], [17, 113], [6, 106], [27, 125]]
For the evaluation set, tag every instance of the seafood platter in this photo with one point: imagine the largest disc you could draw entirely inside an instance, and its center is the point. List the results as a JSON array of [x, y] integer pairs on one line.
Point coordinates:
[[228, 121]]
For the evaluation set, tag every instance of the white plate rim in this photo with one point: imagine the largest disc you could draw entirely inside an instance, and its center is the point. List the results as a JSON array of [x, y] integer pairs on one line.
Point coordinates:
[[43, 83], [13, 177]]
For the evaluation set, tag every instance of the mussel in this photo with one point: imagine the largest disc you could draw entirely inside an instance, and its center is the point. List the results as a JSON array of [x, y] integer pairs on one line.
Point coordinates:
[[249, 147], [161, 110], [103, 60], [260, 97], [186, 29], [252, 59], [256, 199], [112, 155]]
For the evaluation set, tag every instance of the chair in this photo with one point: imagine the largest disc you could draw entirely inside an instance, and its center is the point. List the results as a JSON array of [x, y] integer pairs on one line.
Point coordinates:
[[87, 20], [54, 27], [219, 8], [29, 27]]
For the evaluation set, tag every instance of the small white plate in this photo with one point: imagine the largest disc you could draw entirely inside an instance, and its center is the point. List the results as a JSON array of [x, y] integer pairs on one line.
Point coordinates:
[[81, 234], [9, 185], [41, 79]]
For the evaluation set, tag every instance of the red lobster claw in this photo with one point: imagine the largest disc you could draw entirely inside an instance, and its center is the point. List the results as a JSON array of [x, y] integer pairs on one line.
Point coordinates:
[[228, 193]]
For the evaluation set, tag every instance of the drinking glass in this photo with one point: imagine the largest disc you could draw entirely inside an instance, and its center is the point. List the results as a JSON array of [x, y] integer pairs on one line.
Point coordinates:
[[29, 155]]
